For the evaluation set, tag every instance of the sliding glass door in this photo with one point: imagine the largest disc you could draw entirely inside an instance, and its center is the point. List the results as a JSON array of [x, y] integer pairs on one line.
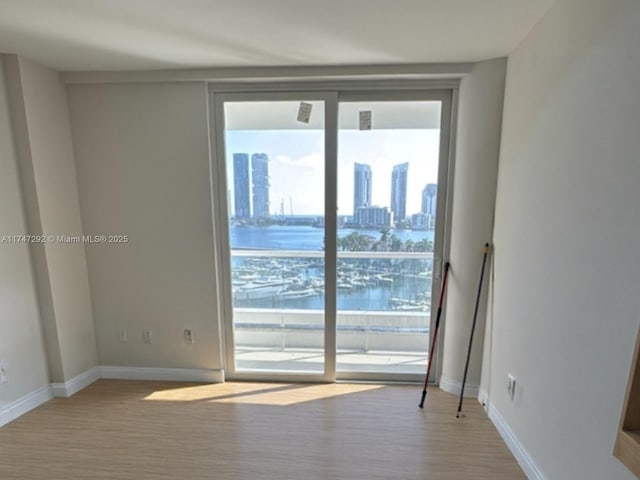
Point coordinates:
[[275, 157], [331, 210], [388, 163]]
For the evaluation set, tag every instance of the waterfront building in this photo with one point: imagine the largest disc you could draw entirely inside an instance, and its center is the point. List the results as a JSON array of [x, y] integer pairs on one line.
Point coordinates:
[[399, 191], [260, 178], [361, 186], [420, 221], [372, 217], [242, 206], [429, 197]]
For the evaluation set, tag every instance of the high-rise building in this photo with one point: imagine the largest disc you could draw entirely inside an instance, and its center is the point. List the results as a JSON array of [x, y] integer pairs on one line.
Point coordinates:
[[260, 177], [372, 217], [242, 205], [420, 221], [429, 194], [399, 191], [361, 186]]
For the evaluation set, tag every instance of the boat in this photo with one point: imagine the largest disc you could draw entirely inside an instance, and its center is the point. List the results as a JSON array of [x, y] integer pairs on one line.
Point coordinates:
[[259, 289], [412, 308], [383, 279], [295, 294], [394, 301], [248, 277]]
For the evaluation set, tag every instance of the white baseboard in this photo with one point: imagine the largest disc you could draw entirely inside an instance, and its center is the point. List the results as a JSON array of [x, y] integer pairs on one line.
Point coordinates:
[[24, 404], [76, 384], [168, 374], [36, 398], [453, 386], [483, 399], [527, 464]]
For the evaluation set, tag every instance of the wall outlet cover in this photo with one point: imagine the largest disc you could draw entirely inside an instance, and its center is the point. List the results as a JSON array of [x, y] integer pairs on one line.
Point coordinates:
[[188, 336], [4, 377], [511, 386]]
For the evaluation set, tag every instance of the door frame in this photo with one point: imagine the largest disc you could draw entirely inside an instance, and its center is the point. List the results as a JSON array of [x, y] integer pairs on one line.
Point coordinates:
[[224, 260], [442, 232], [331, 93]]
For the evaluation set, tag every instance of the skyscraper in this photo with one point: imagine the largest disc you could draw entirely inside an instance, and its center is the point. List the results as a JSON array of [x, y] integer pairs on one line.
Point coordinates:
[[361, 186], [260, 176], [399, 191], [429, 198], [241, 185]]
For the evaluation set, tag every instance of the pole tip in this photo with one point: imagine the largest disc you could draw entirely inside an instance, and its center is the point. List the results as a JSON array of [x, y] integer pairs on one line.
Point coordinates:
[[486, 248]]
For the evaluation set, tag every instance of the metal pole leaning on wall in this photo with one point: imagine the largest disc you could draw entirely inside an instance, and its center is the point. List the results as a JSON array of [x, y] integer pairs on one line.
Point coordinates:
[[473, 327], [435, 333]]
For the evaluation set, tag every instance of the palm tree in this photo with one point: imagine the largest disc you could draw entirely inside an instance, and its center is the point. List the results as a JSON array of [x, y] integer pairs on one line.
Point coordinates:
[[384, 237], [423, 245], [396, 244], [355, 242]]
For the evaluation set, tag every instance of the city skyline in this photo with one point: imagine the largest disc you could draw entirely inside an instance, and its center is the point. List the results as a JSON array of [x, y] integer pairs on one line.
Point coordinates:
[[260, 184], [242, 205], [364, 215], [361, 186], [258, 206], [399, 191], [296, 165]]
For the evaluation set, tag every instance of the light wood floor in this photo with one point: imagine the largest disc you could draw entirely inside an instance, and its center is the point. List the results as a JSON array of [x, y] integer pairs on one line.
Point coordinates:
[[120, 430]]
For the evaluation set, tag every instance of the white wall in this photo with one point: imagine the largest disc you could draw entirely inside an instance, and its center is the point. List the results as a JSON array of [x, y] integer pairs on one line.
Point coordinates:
[[143, 171], [567, 270], [47, 113], [40, 119], [142, 161], [476, 170], [21, 342]]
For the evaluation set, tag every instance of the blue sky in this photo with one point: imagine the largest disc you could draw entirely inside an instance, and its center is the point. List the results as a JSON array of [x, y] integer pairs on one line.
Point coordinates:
[[296, 164]]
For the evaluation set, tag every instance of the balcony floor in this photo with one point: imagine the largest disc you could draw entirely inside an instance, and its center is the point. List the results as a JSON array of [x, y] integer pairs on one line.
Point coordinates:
[[310, 360]]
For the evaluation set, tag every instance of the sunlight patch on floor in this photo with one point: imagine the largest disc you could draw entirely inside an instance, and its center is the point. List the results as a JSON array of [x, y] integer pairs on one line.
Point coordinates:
[[258, 393]]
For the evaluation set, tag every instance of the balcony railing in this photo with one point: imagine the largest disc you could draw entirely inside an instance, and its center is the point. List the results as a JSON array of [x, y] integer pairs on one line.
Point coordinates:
[[362, 331], [383, 299]]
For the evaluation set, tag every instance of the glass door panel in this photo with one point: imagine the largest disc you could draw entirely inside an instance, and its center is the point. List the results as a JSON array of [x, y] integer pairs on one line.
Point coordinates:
[[388, 161], [275, 160]]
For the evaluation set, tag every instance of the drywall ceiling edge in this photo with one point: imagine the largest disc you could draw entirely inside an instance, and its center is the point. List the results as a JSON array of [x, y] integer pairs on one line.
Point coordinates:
[[275, 74]]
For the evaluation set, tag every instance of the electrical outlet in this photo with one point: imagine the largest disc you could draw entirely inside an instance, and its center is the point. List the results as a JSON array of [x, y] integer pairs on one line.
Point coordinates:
[[511, 386], [147, 336], [4, 378], [188, 336], [122, 335]]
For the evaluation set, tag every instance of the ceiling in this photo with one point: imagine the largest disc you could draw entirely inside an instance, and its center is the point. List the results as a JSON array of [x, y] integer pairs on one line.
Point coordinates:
[[166, 34]]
